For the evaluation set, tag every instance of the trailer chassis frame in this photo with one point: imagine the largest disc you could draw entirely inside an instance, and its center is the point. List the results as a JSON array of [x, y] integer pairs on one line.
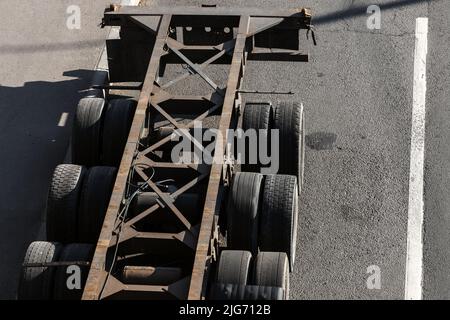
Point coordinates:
[[202, 238]]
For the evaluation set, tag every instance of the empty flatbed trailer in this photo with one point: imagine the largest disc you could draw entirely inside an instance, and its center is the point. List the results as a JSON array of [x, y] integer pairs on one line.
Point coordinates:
[[137, 223]]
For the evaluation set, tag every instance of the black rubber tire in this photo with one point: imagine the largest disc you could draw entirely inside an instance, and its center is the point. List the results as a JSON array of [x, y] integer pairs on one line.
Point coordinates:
[[236, 292], [86, 132], [290, 121], [279, 216], [62, 203], [36, 283], [95, 195], [234, 267], [73, 252], [271, 269], [257, 117], [116, 127], [243, 211]]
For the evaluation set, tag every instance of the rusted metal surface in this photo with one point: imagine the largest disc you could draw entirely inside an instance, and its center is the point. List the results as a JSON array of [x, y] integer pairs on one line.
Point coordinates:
[[97, 271], [151, 275], [204, 11], [203, 244], [188, 241]]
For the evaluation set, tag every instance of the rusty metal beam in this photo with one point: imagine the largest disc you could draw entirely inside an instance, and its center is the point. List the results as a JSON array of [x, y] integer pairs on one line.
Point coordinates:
[[129, 233], [179, 126], [168, 201], [196, 69], [175, 290], [94, 281], [197, 285], [199, 66], [155, 207], [189, 125], [202, 11]]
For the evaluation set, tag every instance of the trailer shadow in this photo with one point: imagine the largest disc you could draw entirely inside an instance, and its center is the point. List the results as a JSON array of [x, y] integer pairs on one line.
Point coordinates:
[[32, 144]]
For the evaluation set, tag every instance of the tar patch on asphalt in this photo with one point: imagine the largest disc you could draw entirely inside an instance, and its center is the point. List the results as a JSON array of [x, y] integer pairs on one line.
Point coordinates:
[[321, 140]]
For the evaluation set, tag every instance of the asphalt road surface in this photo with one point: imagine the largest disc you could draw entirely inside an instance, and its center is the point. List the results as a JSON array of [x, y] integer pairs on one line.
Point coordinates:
[[44, 66], [357, 91], [437, 165], [358, 96]]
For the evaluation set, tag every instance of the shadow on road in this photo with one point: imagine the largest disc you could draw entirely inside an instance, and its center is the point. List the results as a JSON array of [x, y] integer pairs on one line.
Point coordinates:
[[362, 11], [48, 47], [31, 145]]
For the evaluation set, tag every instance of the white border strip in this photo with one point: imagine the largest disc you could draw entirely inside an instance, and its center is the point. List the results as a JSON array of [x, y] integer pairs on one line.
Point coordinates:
[[414, 251]]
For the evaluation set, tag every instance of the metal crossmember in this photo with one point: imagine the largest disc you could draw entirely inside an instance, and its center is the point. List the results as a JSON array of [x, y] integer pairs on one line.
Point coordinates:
[[197, 238]]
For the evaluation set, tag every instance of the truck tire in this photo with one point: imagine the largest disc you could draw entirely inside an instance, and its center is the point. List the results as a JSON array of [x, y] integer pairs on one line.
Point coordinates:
[[290, 121], [243, 211], [86, 132], [279, 216], [228, 291], [73, 252], [272, 270], [234, 267], [117, 123], [62, 203], [95, 195], [257, 117], [36, 283]]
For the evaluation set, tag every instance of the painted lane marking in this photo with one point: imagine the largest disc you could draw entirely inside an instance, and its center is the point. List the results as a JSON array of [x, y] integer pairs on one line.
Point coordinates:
[[63, 120], [414, 250]]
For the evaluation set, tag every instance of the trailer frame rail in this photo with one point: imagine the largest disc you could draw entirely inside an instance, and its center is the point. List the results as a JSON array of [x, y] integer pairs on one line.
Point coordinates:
[[249, 35]]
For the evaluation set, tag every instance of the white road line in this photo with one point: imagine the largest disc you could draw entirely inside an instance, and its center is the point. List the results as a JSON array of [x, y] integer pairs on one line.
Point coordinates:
[[63, 120], [414, 251]]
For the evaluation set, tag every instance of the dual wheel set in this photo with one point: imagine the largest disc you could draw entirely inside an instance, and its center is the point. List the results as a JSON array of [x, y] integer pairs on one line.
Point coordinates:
[[262, 213], [77, 201]]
